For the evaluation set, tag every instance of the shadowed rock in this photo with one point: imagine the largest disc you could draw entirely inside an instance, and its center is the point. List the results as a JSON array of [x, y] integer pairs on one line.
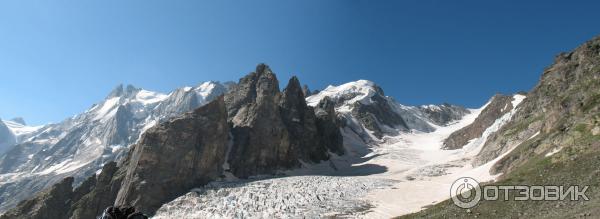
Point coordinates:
[[176, 156], [53, 202]]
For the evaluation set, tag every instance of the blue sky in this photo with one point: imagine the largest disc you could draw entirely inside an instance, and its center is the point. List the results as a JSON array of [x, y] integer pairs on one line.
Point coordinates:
[[57, 58]]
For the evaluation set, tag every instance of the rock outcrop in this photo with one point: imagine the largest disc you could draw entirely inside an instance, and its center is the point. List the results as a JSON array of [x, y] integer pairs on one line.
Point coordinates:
[[498, 106], [100, 195], [443, 114], [274, 130], [53, 202], [378, 114], [176, 156]]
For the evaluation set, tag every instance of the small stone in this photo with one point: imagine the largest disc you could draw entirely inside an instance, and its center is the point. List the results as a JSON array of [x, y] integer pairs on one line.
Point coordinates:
[[596, 130]]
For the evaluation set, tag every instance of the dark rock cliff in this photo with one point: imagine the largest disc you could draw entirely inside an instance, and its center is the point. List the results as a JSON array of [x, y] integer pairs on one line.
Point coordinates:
[[176, 156], [274, 130]]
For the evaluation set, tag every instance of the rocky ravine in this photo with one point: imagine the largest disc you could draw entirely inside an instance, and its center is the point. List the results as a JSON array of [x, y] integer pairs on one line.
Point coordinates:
[[254, 129]]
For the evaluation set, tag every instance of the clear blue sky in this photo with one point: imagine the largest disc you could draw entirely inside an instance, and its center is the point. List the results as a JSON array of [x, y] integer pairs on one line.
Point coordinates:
[[57, 58]]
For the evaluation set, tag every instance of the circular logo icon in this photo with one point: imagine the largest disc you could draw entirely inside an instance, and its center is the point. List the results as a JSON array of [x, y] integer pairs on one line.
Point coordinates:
[[465, 192]]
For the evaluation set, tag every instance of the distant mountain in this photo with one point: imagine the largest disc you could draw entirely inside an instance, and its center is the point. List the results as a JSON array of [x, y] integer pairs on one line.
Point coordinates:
[[367, 112], [81, 145]]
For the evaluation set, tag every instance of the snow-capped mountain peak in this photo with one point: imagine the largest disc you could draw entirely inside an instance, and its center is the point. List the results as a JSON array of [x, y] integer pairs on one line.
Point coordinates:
[[372, 115], [80, 145], [348, 93]]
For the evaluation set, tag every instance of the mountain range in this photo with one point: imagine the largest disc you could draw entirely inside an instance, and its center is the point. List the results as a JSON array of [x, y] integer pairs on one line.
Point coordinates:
[[247, 149]]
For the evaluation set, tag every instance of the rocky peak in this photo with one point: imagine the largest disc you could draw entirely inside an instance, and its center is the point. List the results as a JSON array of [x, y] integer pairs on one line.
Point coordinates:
[[276, 129], [293, 100], [257, 89], [328, 126], [306, 91], [19, 120], [120, 90]]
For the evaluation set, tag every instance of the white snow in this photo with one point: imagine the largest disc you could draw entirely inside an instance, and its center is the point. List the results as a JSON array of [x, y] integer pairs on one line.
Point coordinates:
[[148, 97], [554, 151], [65, 166], [534, 135], [20, 129], [517, 99], [108, 106], [360, 90], [205, 89]]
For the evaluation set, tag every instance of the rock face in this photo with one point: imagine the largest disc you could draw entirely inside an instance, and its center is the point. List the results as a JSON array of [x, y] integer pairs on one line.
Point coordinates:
[[176, 156], [274, 130], [51, 203], [444, 113], [498, 106], [254, 129], [327, 126], [100, 194], [378, 113]]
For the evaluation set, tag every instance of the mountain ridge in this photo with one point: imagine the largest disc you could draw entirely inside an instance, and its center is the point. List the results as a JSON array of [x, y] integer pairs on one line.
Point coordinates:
[[80, 145]]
